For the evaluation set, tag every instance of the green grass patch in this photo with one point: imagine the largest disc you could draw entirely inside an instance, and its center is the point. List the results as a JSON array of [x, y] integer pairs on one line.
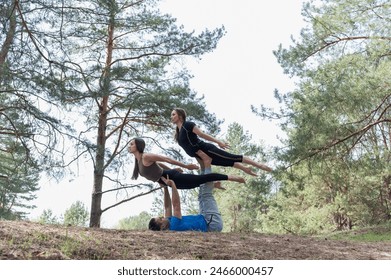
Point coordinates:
[[371, 234], [371, 237]]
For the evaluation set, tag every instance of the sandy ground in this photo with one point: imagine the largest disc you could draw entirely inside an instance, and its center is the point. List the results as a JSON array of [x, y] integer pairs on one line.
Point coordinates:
[[27, 240]]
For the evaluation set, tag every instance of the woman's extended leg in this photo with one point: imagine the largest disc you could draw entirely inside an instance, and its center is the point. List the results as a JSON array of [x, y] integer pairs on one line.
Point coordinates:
[[223, 158], [256, 164], [189, 181], [244, 168]]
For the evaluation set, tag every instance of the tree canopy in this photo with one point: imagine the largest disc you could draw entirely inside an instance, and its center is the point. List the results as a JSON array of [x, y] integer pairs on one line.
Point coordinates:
[[93, 74], [337, 120]]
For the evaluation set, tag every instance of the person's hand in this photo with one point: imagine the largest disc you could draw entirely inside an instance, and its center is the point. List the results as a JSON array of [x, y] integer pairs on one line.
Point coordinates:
[[223, 145], [218, 185], [168, 181], [192, 166], [179, 169]]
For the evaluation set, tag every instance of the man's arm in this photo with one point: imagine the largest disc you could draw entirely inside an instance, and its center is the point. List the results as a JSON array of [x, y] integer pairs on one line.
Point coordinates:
[[167, 203], [176, 201]]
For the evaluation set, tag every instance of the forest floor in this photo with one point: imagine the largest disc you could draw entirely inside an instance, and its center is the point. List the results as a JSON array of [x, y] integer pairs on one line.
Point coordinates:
[[21, 240]]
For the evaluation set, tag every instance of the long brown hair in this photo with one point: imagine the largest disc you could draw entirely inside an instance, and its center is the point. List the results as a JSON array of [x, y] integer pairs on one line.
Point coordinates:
[[140, 146], [182, 114]]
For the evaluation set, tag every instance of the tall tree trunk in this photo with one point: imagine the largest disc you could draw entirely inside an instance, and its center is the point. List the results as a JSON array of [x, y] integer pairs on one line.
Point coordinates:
[[100, 165], [99, 168], [10, 14]]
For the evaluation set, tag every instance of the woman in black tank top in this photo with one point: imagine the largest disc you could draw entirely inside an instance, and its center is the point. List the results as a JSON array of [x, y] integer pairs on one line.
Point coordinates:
[[187, 135]]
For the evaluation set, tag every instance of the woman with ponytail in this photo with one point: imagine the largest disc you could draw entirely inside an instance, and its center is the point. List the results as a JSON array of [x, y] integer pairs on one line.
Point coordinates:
[[188, 137]]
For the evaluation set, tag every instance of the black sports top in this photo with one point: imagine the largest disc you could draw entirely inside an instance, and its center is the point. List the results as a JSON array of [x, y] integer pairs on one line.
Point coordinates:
[[188, 140], [191, 143]]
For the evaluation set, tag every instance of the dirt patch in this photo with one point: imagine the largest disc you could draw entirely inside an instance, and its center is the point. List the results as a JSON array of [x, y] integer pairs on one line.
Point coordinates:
[[27, 240]]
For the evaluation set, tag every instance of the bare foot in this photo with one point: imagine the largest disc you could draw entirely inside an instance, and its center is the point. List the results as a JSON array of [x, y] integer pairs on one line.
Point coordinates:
[[244, 168], [248, 170], [236, 179], [218, 185]]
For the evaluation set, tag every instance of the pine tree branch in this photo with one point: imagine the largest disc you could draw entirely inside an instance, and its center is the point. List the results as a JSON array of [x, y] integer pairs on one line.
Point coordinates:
[[131, 198], [29, 32]]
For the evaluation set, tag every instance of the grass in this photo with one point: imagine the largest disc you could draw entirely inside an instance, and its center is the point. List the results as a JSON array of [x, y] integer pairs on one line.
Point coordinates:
[[369, 234]]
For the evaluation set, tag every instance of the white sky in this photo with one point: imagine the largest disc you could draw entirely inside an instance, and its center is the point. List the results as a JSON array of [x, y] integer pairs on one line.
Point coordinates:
[[241, 72]]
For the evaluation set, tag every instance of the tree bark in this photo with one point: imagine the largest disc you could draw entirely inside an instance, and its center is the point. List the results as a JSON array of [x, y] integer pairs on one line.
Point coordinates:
[[9, 37], [99, 168]]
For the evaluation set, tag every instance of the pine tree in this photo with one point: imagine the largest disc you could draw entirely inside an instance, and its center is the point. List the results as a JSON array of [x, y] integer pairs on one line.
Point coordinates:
[[29, 133], [118, 65], [337, 120]]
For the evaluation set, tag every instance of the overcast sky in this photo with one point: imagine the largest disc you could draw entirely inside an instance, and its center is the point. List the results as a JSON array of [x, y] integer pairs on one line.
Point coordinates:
[[241, 72]]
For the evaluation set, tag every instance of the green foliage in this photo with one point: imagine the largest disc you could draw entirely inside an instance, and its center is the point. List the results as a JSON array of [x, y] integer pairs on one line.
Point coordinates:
[[76, 215], [18, 179], [47, 217], [139, 222], [142, 75], [30, 131], [297, 210], [29, 113], [335, 163]]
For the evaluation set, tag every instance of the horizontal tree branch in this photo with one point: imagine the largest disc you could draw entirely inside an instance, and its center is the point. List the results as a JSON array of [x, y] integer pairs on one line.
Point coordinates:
[[131, 198]]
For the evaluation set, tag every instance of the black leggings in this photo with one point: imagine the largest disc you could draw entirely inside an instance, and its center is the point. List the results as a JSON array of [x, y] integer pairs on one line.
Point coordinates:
[[191, 181], [219, 157]]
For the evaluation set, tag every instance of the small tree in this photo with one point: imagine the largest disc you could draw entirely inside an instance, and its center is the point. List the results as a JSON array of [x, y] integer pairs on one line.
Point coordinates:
[[47, 217], [76, 215]]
